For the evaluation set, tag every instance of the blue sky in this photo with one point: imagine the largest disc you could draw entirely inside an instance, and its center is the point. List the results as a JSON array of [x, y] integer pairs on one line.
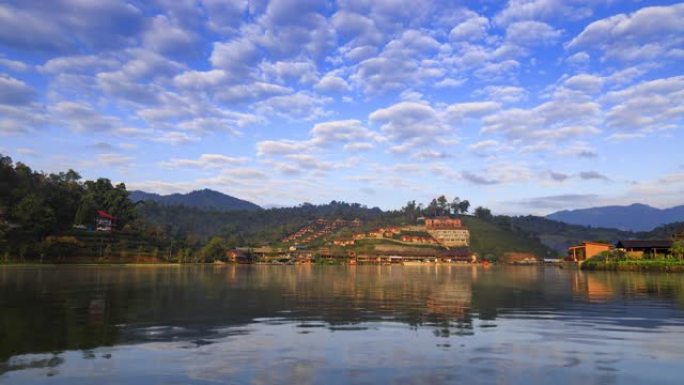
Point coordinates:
[[525, 106]]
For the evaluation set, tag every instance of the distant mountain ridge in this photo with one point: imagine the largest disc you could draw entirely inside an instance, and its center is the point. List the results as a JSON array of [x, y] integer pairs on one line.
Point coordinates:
[[635, 217], [201, 199]]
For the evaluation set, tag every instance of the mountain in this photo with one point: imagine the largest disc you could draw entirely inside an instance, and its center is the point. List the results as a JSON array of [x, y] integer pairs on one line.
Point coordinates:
[[636, 217], [559, 235], [201, 199]]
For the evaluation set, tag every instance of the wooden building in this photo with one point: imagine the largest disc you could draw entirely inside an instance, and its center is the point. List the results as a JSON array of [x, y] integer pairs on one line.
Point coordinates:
[[640, 247], [586, 250]]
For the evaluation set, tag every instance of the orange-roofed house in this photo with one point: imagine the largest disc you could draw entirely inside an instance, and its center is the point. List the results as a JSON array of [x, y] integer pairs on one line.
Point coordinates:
[[586, 250]]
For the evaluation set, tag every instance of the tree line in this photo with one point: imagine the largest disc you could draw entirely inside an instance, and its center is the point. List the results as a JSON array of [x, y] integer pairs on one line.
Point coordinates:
[[35, 205]]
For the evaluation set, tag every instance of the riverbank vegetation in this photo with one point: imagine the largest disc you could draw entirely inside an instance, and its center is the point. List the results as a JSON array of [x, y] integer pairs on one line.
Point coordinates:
[[620, 260]]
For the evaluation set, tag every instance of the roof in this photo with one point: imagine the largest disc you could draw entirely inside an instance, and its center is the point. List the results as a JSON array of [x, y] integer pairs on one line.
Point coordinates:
[[583, 244], [645, 244], [104, 214], [597, 243]]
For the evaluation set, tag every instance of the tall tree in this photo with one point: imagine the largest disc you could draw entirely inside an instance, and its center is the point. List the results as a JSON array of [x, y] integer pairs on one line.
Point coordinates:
[[442, 204], [454, 206], [463, 206]]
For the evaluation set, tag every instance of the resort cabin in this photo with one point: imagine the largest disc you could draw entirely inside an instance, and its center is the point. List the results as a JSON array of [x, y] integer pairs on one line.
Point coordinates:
[[586, 250], [344, 242], [376, 233], [104, 221], [445, 223], [641, 247]]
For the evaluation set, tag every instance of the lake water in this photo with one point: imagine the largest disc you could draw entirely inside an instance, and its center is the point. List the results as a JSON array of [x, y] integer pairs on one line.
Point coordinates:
[[338, 325]]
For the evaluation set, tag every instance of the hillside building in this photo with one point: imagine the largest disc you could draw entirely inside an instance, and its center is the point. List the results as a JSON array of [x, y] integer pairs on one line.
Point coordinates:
[[449, 232]]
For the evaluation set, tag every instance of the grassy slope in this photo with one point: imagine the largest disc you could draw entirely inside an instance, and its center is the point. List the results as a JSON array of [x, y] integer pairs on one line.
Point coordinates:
[[489, 238]]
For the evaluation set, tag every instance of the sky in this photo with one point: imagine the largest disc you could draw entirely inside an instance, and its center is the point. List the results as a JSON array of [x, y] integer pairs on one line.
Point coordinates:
[[522, 106]]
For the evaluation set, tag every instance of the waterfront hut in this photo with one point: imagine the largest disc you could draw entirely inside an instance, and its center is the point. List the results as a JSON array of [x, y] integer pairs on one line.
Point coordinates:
[[641, 247], [586, 250]]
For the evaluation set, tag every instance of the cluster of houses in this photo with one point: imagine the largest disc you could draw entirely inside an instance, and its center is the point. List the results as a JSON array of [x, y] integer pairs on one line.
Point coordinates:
[[631, 248], [443, 231], [319, 228]]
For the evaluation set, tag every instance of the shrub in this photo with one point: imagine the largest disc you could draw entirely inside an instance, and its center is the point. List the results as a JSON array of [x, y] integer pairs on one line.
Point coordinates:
[[65, 246]]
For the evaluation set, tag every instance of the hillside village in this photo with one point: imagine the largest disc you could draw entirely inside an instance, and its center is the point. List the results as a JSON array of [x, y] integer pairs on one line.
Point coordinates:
[[443, 239]]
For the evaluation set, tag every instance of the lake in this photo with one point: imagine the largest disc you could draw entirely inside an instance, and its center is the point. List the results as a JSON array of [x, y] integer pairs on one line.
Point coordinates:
[[310, 324]]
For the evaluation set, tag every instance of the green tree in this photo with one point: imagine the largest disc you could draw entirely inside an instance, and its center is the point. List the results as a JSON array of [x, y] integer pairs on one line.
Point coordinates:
[[85, 215], [463, 206], [34, 216], [483, 213], [677, 248], [442, 205], [432, 208], [214, 250], [454, 205]]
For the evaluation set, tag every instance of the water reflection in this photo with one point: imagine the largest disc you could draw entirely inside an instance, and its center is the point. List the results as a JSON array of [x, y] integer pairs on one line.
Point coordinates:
[[326, 324]]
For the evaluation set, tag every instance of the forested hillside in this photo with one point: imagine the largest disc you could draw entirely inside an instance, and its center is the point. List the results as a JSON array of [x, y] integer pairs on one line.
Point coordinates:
[[253, 228], [52, 215], [34, 205]]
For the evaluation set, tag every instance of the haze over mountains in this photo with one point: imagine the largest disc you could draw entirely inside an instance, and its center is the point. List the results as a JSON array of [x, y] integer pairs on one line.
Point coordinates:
[[201, 199], [635, 217]]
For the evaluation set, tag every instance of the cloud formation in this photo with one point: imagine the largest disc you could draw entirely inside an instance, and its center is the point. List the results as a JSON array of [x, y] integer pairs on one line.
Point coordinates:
[[264, 94]]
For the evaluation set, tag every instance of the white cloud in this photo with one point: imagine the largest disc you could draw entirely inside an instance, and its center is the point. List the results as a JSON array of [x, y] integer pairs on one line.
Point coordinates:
[[238, 57], [499, 173], [648, 33], [66, 25], [298, 71], [460, 111], [250, 92], [545, 9], [14, 65], [578, 150], [400, 63], [280, 147], [164, 36], [647, 106], [473, 29], [585, 83], [204, 161], [15, 92], [450, 83], [111, 159], [409, 121], [504, 94], [530, 33], [497, 70], [202, 79], [82, 117], [173, 137], [332, 84], [552, 121], [300, 105], [341, 131], [579, 58]]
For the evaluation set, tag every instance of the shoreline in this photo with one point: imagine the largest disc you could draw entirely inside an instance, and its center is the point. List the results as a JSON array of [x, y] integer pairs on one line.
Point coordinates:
[[634, 265]]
